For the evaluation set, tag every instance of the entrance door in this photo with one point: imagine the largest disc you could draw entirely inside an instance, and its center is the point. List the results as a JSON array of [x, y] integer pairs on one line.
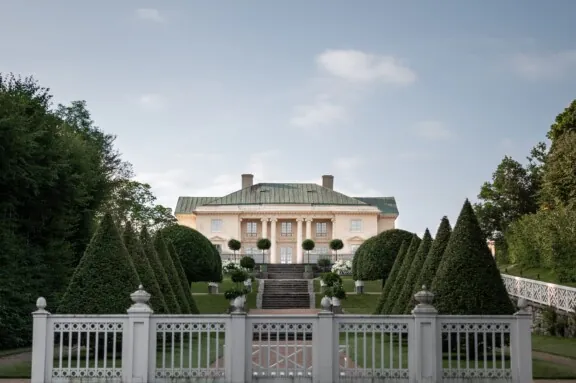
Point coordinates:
[[285, 255]]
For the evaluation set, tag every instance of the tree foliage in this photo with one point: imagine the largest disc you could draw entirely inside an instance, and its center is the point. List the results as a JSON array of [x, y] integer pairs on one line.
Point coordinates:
[[559, 180], [396, 289], [144, 269], [336, 245], [359, 255], [546, 239], [391, 280], [404, 302], [377, 259], [511, 194], [468, 281], [198, 256], [105, 277], [565, 122]]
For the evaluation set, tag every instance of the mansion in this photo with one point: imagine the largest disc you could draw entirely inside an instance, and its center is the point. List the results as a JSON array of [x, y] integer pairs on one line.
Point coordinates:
[[287, 214]]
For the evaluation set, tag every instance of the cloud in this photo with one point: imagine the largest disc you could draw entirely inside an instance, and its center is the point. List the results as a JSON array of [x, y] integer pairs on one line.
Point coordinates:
[[151, 101], [357, 66], [433, 130], [545, 65], [319, 113], [150, 14], [346, 164], [343, 79]]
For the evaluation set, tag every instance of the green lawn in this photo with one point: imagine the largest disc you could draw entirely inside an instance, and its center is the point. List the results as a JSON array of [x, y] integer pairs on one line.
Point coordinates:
[[555, 345], [544, 275], [216, 303], [348, 284]]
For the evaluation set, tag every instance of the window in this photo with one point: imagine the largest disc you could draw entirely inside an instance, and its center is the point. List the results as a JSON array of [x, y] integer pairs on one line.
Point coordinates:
[[356, 225], [286, 254], [353, 248], [321, 250], [286, 229], [216, 225], [321, 229], [251, 229]]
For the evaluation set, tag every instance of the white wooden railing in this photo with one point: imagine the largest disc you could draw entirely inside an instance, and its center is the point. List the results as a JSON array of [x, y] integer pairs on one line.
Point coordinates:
[[549, 294], [143, 347]]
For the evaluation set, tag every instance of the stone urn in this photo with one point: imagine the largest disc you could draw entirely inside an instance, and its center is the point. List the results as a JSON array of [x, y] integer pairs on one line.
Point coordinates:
[[335, 302], [308, 272], [212, 288], [359, 287]]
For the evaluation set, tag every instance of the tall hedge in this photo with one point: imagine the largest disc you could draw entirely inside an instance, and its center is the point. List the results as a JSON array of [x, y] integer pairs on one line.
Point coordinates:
[[377, 261], [158, 267], [404, 303], [196, 252], [359, 255], [468, 281], [402, 275], [171, 273], [391, 280], [434, 256], [145, 271], [104, 278], [217, 274], [182, 278]]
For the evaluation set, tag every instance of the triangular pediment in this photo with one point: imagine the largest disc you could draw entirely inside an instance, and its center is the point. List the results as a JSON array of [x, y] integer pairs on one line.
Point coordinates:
[[217, 238], [355, 239]]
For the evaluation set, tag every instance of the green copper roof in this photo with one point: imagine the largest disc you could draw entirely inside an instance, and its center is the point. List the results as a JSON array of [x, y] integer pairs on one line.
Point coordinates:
[[285, 193], [387, 205]]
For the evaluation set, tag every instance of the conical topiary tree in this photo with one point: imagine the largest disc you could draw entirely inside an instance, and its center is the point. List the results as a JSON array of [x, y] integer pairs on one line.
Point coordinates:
[[105, 277], [182, 278], [402, 305], [468, 281], [434, 257], [391, 280], [171, 273], [390, 303], [145, 271], [161, 277]]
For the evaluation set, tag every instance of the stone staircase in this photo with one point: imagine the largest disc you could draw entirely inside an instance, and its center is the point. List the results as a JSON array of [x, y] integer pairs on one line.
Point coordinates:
[[286, 294], [286, 271]]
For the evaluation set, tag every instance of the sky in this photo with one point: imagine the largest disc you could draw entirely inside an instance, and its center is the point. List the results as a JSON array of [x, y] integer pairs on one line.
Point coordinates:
[[417, 99]]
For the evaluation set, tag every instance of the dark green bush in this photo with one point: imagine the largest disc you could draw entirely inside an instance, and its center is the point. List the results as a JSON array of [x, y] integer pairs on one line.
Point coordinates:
[[197, 254], [105, 277], [248, 263], [391, 299], [468, 281], [144, 269], [159, 271], [404, 303], [377, 259], [364, 248]]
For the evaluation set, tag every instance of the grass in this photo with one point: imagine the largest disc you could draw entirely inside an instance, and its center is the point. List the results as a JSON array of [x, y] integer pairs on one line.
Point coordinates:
[[14, 351], [348, 284], [216, 303], [540, 274], [555, 345]]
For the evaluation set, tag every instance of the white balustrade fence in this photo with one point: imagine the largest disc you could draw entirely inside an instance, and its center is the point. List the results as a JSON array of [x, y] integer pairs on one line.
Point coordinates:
[[322, 348], [548, 294]]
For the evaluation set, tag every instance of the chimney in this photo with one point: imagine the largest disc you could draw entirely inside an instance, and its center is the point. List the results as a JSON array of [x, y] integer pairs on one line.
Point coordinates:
[[247, 180], [328, 182]]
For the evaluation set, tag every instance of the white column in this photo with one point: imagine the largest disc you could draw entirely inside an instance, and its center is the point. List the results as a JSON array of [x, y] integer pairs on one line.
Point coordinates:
[[308, 228], [41, 348], [273, 254], [299, 253], [138, 353], [264, 227]]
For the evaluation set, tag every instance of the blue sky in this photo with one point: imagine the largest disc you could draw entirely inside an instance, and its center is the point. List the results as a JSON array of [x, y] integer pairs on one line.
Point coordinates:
[[414, 99]]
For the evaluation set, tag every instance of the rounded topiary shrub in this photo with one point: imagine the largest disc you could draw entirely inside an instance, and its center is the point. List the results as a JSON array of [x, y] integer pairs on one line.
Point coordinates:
[[377, 259], [364, 248], [198, 256], [248, 263]]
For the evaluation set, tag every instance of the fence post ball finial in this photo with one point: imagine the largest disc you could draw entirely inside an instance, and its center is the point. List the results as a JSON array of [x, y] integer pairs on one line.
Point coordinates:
[[41, 303]]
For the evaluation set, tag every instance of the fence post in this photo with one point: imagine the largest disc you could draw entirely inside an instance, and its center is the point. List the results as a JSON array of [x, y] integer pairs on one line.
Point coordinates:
[[237, 353], [136, 341], [325, 361], [425, 359], [39, 342], [522, 344]]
